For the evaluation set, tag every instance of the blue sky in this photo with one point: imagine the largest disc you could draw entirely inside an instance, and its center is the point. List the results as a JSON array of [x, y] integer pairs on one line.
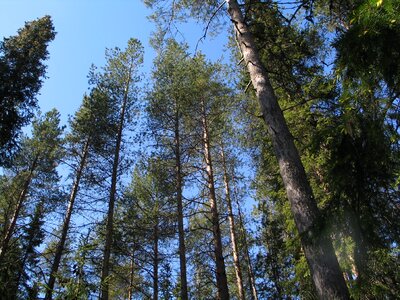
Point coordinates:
[[84, 29]]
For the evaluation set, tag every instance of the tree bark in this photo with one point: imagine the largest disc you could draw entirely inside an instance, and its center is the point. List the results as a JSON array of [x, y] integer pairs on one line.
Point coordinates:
[[66, 223], [222, 282], [232, 228], [181, 232], [21, 198], [317, 246]]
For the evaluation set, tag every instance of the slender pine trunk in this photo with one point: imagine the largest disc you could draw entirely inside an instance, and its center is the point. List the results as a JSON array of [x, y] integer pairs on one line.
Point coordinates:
[[232, 228], [222, 282], [179, 198], [250, 272], [21, 199], [105, 272], [317, 246], [34, 232], [66, 223]]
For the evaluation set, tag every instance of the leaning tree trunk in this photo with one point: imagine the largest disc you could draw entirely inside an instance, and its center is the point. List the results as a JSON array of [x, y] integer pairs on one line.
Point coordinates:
[[66, 223], [232, 228], [222, 282], [326, 274], [21, 199], [179, 198]]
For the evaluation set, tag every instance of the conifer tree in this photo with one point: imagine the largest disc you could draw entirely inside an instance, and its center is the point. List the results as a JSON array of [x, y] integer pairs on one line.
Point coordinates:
[[327, 277], [168, 104], [117, 82], [34, 170], [22, 71], [88, 134]]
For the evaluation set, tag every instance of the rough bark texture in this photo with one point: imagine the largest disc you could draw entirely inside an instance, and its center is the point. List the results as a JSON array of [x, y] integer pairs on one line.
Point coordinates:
[[222, 282], [181, 232], [67, 220], [327, 276], [232, 228], [20, 202]]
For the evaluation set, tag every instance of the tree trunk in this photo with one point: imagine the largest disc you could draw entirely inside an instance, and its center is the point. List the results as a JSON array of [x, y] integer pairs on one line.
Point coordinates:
[[20, 202], [250, 272], [181, 232], [111, 204], [317, 246], [33, 233], [232, 228], [67, 220], [222, 282], [155, 262], [131, 276]]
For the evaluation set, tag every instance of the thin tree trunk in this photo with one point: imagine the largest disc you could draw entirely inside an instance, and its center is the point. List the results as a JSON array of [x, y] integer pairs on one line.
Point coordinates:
[[181, 232], [155, 262], [29, 249], [131, 276], [250, 271], [360, 249], [222, 282], [327, 276], [66, 223], [232, 228], [111, 204], [21, 198]]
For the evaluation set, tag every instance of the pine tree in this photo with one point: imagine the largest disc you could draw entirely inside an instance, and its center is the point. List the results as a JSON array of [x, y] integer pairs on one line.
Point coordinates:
[[327, 277], [22, 71], [168, 104], [31, 179], [88, 134], [117, 82]]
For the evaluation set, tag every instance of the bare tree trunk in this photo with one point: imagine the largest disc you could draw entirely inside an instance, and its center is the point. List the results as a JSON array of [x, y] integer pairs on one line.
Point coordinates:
[[21, 199], [181, 232], [66, 223], [232, 228], [317, 246], [111, 204], [222, 282]]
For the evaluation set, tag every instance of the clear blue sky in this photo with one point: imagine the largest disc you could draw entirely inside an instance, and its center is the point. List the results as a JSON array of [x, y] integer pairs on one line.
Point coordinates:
[[84, 29]]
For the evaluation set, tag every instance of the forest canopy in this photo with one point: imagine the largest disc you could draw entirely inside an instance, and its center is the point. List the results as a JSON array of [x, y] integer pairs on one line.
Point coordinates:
[[270, 174]]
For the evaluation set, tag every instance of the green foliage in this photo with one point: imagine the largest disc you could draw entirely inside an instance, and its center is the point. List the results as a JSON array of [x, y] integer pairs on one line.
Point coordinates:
[[22, 71], [144, 222], [369, 48], [34, 170]]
